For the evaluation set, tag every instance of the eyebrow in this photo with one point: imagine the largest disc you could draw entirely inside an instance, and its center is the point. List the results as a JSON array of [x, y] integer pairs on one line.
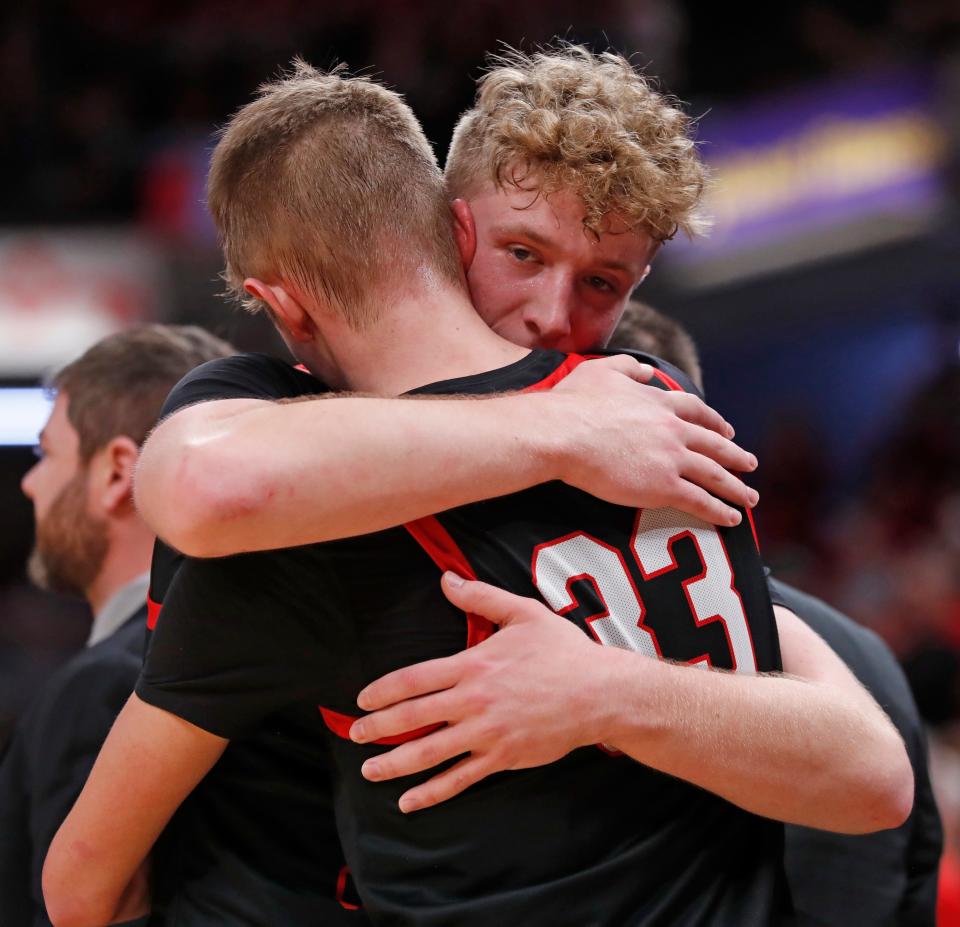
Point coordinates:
[[524, 231], [538, 238]]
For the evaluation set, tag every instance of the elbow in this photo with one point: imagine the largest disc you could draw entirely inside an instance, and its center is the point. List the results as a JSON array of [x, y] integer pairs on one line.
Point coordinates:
[[898, 797], [72, 900], [67, 912], [187, 499], [890, 787]]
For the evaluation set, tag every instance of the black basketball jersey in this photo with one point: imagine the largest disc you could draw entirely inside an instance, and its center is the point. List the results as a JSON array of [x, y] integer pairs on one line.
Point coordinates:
[[591, 839], [256, 841]]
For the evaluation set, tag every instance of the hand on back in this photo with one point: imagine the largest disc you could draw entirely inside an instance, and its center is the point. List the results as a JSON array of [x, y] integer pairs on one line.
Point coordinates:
[[638, 445]]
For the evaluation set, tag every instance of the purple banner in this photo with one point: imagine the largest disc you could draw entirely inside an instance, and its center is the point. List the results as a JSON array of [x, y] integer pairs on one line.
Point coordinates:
[[820, 158]]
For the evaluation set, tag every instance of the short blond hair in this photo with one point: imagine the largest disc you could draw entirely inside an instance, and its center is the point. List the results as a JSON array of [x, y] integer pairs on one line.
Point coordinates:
[[328, 181], [565, 118]]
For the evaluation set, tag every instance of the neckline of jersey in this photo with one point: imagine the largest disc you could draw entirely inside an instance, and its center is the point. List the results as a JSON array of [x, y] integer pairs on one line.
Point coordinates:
[[502, 379]]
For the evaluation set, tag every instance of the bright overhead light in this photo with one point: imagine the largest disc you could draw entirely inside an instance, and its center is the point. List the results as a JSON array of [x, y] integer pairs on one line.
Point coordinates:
[[23, 413]]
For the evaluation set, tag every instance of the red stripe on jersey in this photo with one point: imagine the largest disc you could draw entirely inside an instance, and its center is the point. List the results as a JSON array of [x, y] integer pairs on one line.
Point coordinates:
[[666, 378], [548, 382], [341, 888], [153, 613], [753, 528], [341, 724], [444, 552], [301, 367]]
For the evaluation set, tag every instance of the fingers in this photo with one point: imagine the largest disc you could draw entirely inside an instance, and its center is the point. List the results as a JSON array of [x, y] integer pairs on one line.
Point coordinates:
[[496, 605], [410, 682], [698, 502], [628, 366], [415, 756], [694, 410], [409, 715], [709, 475], [445, 785], [724, 452]]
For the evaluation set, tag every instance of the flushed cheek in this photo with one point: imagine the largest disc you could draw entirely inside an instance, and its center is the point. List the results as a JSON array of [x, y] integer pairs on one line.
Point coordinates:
[[595, 330]]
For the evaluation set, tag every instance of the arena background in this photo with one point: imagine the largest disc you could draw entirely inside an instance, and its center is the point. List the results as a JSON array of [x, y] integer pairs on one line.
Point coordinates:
[[826, 302]]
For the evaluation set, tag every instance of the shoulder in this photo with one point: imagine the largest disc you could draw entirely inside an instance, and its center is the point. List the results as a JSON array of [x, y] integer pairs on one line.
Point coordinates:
[[841, 632], [867, 656], [98, 679], [241, 376]]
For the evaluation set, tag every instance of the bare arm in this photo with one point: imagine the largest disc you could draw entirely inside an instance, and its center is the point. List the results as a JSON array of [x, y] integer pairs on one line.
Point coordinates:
[[96, 871], [816, 751], [259, 475]]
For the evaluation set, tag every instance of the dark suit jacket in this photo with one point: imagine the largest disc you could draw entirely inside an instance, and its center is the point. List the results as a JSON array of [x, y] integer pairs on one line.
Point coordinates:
[[48, 758], [874, 880]]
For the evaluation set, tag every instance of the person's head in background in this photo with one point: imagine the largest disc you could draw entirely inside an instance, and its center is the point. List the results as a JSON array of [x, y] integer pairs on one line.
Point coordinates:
[[567, 175], [646, 329], [89, 538]]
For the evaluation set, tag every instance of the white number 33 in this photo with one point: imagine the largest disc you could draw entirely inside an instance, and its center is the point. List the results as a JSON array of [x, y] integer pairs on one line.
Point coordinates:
[[712, 596]]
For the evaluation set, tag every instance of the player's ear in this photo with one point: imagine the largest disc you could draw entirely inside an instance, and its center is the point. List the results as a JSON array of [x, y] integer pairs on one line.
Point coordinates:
[[465, 232], [285, 309], [112, 469]]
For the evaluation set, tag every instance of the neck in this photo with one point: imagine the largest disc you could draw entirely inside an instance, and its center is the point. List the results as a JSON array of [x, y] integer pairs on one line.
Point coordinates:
[[428, 334], [128, 556]]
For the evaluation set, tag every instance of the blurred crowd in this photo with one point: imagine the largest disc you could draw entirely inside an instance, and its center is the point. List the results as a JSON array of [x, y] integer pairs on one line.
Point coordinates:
[[98, 86], [886, 553]]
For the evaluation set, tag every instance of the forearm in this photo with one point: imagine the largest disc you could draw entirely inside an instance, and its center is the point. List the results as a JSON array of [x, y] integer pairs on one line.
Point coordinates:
[[812, 748], [96, 869], [280, 475], [798, 751], [234, 475]]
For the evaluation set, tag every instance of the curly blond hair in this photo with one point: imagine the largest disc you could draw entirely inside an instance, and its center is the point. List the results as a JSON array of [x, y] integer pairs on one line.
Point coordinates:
[[565, 118]]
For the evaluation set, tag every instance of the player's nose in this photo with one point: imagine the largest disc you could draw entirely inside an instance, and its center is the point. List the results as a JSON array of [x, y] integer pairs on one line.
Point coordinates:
[[547, 316], [26, 484]]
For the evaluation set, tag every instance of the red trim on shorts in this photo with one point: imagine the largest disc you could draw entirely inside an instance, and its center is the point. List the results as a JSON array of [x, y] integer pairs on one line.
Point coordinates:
[[340, 725], [153, 613], [342, 877], [301, 367]]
